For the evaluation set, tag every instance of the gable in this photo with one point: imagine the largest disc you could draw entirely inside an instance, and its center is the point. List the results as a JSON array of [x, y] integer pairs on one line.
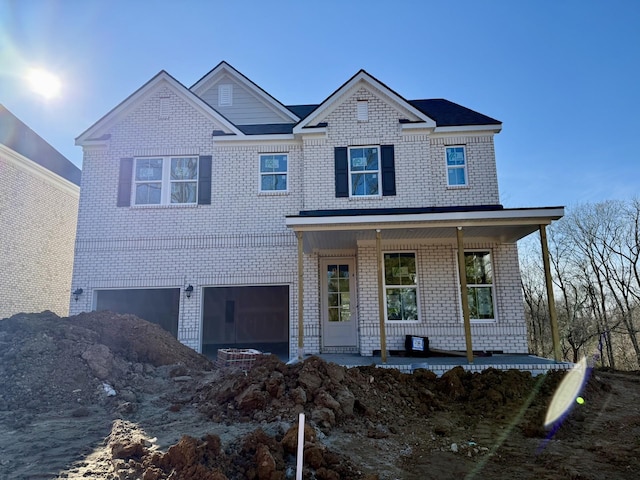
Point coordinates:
[[154, 88], [380, 112], [362, 80], [245, 102], [243, 107]]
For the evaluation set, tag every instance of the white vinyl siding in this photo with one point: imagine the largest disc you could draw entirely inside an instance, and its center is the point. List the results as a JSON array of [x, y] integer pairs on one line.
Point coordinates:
[[247, 109]]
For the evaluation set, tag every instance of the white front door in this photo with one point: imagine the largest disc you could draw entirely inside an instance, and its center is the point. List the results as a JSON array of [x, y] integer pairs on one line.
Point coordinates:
[[339, 319]]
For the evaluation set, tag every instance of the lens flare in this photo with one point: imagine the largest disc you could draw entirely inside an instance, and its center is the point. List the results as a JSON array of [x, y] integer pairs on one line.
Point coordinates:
[[44, 83], [567, 393]]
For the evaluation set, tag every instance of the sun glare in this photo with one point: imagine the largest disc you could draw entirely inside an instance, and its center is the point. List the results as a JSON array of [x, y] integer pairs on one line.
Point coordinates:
[[44, 83]]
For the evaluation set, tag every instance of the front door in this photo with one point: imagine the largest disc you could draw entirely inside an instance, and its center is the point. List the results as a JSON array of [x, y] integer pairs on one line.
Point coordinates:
[[339, 319]]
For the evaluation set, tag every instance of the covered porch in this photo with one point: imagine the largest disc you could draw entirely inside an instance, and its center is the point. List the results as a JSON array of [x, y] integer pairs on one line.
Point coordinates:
[[439, 365], [457, 227]]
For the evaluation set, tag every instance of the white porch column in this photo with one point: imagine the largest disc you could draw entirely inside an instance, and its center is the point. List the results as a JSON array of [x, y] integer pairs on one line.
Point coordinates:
[[300, 297]]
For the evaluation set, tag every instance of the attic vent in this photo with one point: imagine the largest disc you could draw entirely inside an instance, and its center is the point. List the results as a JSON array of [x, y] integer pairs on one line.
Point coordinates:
[[164, 108], [225, 95], [363, 111]]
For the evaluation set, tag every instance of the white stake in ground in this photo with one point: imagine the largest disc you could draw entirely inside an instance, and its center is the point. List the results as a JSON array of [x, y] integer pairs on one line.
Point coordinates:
[[300, 446]]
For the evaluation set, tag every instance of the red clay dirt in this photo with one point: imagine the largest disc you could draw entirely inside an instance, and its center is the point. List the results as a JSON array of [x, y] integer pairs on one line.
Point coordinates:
[[113, 397]]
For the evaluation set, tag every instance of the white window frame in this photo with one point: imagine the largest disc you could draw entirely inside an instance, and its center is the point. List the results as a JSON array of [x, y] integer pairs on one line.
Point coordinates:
[[484, 285], [165, 181], [464, 167], [388, 287], [378, 171], [262, 174]]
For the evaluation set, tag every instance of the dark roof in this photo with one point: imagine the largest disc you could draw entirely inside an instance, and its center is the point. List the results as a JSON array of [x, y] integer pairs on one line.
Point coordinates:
[[449, 114], [20, 138], [397, 211], [302, 110], [266, 128], [443, 112]]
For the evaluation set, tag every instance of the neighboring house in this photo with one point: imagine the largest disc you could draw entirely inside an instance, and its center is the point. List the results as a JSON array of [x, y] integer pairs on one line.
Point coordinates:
[[209, 209], [39, 192]]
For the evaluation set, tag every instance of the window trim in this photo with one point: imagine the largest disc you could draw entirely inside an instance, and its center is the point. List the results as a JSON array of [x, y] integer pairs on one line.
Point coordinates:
[[378, 171], [465, 167], [165, 181], [261, 174], [492, 285], [415, 287]]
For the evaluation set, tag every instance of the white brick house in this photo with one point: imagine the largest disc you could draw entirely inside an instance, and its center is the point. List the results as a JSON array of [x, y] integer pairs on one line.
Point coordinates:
[[209, 209], [39, 192]]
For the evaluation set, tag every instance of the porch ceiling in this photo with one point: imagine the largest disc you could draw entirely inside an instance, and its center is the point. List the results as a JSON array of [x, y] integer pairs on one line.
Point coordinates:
[[339, 232]]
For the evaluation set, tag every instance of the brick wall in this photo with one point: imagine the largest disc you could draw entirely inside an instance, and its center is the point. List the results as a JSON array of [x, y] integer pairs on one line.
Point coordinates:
[[38, 216], [241, 238]]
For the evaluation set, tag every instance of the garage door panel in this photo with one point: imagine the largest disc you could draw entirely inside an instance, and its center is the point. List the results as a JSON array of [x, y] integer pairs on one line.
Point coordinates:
[[156, 305], [246, 317]]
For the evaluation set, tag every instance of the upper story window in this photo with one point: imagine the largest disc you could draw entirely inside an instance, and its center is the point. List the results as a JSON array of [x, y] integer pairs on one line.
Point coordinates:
[[225, 95], [364, 172], [273, 173], [480, 293], [456, 167], [401, 286], [165, 180]]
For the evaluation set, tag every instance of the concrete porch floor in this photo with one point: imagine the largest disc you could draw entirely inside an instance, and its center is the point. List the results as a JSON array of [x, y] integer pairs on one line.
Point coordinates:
[[439, 365]]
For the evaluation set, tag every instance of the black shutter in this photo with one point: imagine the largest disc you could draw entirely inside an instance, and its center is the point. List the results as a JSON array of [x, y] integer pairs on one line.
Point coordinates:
[[388, 170], [204, 180], [342, 172], [124, 182]]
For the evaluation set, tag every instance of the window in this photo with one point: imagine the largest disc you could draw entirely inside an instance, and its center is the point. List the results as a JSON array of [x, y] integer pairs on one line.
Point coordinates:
[[346, 174], [364, 171], [400, 286], [456, 167], [273, 173], [165, 180], [479, 285]]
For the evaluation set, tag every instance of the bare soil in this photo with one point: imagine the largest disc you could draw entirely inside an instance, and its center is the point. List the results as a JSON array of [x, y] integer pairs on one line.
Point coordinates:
[[107, 396]]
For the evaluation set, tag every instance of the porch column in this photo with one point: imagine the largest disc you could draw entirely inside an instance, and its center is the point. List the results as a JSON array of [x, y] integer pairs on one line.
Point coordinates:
[[300, 297], [462, 273], [555, 335], [383, 333]]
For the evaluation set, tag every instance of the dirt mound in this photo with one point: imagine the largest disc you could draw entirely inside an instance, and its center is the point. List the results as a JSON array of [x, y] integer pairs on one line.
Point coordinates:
[[256, 456], [334, 396], [49, 362], [65, 380]]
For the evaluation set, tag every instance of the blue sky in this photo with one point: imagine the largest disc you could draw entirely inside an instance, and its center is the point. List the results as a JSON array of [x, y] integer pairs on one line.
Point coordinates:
[[562, 76]]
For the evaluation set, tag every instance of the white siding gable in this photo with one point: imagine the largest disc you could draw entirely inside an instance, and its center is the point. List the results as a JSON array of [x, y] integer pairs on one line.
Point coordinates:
[[246, 108]]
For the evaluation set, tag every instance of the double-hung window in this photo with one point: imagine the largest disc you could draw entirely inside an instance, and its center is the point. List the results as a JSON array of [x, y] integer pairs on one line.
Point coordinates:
[[456, 166], [273, 173], [480, 293], [364, 172], [165, 180], [400, 284]]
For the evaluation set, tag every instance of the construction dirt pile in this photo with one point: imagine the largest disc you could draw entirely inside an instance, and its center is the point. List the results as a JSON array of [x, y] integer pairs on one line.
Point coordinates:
[[109, 396]]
